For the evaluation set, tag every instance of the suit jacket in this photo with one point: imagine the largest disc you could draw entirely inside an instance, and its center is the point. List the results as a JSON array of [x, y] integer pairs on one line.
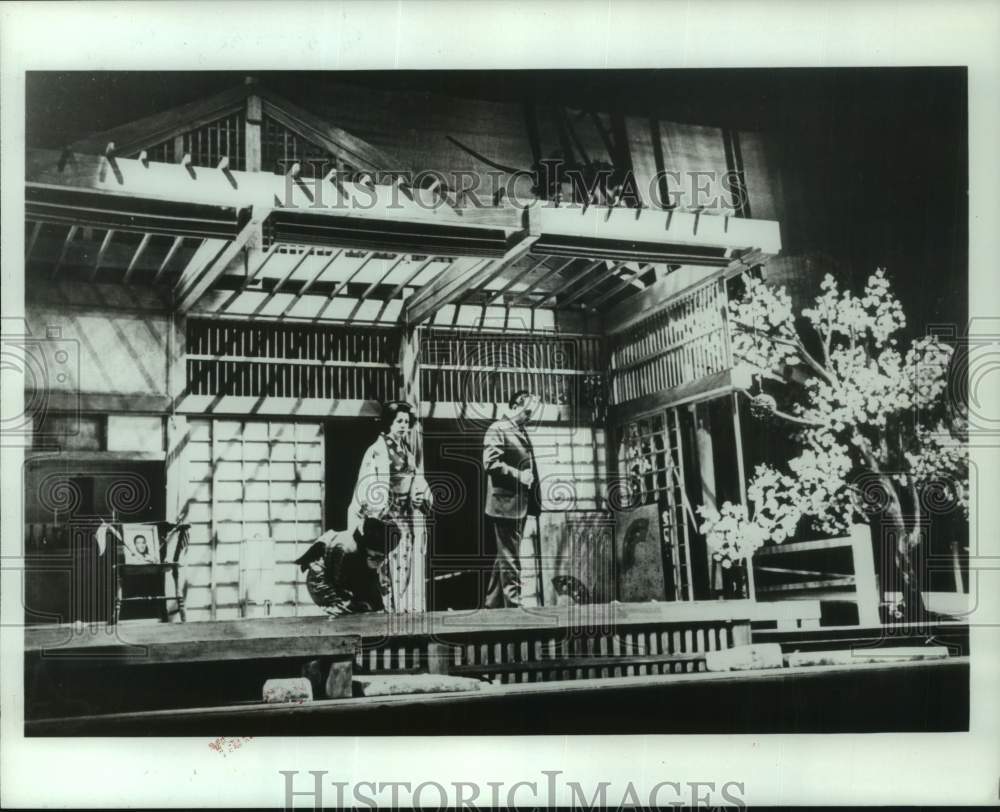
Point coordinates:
[[506, 452]]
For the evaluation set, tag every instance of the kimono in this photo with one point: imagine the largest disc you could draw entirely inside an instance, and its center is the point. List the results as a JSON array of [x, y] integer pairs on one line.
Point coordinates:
[[387, 483]]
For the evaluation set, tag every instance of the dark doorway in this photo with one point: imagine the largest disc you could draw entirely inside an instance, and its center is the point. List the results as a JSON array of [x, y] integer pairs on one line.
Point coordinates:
[[460, 553], [346, 443]]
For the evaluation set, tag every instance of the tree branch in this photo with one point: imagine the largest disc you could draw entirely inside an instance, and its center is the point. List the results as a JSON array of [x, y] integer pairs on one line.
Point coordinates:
[[801, 421]]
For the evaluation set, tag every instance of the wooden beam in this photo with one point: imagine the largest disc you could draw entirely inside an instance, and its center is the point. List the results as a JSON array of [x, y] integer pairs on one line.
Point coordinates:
[[719, 383], [143, 244], [339, 142], [70, 234], [171, 181], [204, 276], [545, 277], [599, 278], [453, 283], [155, 129], [618, 288], [101, 252], [281, 282], [35, 230], [252, 133], [600, 275], [520, 275], [320, 270], [448, 279], [368, 291], [654, 297], [347, 280], [654, 226], [171, 253]]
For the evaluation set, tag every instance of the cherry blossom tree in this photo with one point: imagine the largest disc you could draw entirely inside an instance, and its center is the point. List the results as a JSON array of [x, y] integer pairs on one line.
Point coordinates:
[[880, 439]]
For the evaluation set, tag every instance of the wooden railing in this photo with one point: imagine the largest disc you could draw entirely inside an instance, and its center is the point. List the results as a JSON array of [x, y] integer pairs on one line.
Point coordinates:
[[268, 360]]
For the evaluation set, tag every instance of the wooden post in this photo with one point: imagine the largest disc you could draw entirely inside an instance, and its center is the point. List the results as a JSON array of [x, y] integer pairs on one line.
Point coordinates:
[[410, 392], [706, 472], [177, 438], [742, 474], [865, 581], [253, 141]]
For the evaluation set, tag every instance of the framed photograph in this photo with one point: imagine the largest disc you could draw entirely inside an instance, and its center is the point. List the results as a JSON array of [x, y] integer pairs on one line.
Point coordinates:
[[141, 544]]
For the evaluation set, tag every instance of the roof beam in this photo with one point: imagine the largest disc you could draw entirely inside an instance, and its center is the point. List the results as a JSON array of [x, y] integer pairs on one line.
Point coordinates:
[[70, 234], [320, 270], [194, 282], [651, 226], [451, 285], [140, 249], [595, 265], [599, 277], [546, 275], [368, 291], [155, 129], [281, 282], [620, 286], [653, 298], [35, 230], [101, 252], [171, 253]]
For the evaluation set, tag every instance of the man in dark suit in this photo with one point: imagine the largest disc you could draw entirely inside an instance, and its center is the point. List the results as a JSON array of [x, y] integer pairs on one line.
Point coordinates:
[[512, 494]]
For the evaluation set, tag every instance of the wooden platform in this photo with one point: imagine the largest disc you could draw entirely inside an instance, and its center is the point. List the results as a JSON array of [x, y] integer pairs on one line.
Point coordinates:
[[216, 637]]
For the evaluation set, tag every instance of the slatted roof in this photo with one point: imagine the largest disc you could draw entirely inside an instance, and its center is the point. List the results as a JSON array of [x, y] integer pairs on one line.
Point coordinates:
[[342, 246]]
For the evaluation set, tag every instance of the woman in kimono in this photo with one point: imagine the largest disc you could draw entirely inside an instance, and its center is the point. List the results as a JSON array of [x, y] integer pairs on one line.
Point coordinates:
[[390, 489]]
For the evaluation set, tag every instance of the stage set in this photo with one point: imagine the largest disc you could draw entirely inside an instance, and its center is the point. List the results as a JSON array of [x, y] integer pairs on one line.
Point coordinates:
[[223, 294]]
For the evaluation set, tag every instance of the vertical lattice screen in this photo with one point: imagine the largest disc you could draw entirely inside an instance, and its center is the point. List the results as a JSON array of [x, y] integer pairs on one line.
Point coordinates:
[[680, 344], [280, 148], [294, 361], [467, 367], [209, 144], [650, 464]]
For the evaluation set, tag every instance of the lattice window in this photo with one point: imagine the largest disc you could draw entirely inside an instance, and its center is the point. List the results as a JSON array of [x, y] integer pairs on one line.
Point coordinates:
[[293, 361], [684, 342], [482, 368], [281, 147], [223, 138], [651, 470]]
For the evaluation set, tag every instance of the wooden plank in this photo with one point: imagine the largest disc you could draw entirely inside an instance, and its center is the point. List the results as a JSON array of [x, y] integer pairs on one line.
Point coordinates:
[[451, 625]]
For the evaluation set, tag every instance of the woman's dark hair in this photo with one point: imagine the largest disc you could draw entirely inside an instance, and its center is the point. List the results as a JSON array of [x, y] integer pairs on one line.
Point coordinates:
[[393, 408]]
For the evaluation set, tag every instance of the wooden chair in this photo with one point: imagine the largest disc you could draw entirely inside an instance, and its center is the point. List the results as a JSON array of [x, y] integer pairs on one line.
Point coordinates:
[[174, 552]]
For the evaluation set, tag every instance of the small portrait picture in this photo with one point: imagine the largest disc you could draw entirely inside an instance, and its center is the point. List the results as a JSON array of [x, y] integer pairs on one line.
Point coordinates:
[[141, 544]]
